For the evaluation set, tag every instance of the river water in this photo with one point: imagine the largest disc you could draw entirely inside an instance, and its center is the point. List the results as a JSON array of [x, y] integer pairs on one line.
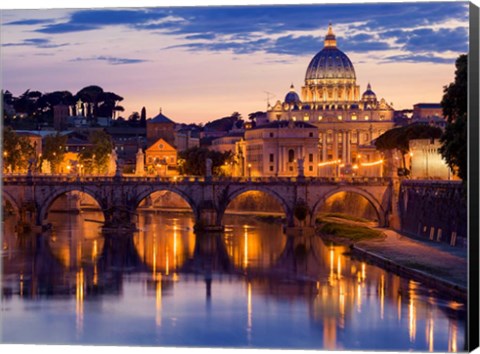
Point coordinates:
[[252, 286]]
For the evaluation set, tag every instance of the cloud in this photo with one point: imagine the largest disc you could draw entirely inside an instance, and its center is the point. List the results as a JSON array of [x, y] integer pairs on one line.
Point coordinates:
[[35, 42], [66, 28], [422, 58], [112, 60], [235, 47], [296, 45], [439, 40], [280, 29], [86, 20], [30, 22]]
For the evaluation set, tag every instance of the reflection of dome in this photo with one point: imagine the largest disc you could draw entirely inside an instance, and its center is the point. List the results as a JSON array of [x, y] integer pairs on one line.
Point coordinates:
[[330, 62], [369, 95], [292, 97]]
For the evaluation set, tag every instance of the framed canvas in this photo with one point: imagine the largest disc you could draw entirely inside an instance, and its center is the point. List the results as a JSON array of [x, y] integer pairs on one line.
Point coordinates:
[[240, 176]]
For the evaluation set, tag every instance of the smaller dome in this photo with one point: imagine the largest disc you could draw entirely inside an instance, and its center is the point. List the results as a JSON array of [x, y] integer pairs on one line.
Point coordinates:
[[292, 97], [369, 95]]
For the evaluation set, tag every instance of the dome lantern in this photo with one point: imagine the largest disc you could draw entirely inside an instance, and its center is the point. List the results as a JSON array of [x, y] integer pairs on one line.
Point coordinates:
[[330, 39]]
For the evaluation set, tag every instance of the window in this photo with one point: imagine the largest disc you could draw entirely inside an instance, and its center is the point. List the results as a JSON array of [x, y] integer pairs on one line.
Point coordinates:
[[340, 118], [291, 155], [306, 118], [354, 117], [291, 168], [320, 117], [271, 135], [310, 157], [294, 118], [310, 135], [367, 118], [271, 168], [271, 158], [310, 168]]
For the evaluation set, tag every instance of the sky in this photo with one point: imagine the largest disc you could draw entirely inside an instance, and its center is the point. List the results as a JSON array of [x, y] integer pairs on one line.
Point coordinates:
[[201, 63]]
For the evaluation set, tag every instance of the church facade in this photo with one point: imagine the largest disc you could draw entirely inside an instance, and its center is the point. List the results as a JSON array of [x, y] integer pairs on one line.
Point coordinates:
[[347, 123]]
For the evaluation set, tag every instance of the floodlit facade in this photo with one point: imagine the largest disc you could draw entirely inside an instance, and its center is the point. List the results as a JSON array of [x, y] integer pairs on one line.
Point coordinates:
[[426, 162], [161, 159], [280, 149], [347, 123]]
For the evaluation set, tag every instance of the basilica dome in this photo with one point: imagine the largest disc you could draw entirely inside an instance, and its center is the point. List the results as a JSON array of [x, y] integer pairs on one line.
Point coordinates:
[[330, 62], [330, 77], [369, 95], [292, 97]]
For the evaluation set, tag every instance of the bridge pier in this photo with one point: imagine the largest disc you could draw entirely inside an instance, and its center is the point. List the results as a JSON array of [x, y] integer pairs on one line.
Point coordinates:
[[207, 220], [119, 218]]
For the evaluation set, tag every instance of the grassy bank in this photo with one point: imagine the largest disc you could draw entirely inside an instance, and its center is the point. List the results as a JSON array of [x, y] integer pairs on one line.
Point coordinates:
[[342, 216], [346, 233]]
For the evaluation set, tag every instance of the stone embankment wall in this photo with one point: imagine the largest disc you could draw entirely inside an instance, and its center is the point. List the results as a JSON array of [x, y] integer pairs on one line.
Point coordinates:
[[434, 210]]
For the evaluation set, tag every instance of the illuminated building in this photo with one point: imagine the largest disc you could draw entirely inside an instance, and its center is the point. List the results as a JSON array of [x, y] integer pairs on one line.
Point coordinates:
[[426, 162], [347, 123], [160, 127], [161, 158], [429, 113], [279, 148]]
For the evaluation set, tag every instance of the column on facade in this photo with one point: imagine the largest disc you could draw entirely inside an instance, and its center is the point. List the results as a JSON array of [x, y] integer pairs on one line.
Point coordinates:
[[324, 146], [349, 147], [335, 145], [344, 147]]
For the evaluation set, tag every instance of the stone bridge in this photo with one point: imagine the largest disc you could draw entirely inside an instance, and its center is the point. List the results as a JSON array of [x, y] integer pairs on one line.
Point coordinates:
[[119, 197]]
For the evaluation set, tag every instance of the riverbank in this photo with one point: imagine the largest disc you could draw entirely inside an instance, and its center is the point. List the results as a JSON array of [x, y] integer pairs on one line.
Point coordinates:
[[437, 265]]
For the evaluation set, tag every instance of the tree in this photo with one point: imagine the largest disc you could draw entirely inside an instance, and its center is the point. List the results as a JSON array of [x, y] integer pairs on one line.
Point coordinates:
[[454, 103], [193, 161], [95, 158], [134, 118], [143, 117], [17, 151], [54, 151]]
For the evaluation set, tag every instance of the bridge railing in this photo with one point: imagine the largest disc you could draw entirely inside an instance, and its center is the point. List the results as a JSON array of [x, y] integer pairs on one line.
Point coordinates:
[[62, 178]]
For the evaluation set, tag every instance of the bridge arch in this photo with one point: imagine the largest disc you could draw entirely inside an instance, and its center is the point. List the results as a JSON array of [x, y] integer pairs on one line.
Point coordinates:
[[187, 198], [252, 188], [6, 196], [47, 204], [377, 206]]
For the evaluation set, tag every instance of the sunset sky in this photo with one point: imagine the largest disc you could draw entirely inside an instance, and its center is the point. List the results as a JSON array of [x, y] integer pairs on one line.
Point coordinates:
[[202, 63]]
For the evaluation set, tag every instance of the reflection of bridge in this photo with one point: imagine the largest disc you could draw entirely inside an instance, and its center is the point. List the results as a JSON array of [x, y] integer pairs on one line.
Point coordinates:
[[118, 197]]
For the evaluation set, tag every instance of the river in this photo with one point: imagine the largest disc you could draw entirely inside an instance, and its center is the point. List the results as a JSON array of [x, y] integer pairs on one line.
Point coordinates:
[[251, 286]]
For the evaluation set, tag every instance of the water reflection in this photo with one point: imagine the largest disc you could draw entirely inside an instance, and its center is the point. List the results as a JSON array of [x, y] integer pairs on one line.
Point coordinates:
[[239, 288]]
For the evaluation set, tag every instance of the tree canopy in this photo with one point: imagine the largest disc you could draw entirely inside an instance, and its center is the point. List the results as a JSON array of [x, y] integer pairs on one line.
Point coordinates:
[[17, 151], [454, 103], [193, 161], [54, 150], [399, 138], [95, 158]]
